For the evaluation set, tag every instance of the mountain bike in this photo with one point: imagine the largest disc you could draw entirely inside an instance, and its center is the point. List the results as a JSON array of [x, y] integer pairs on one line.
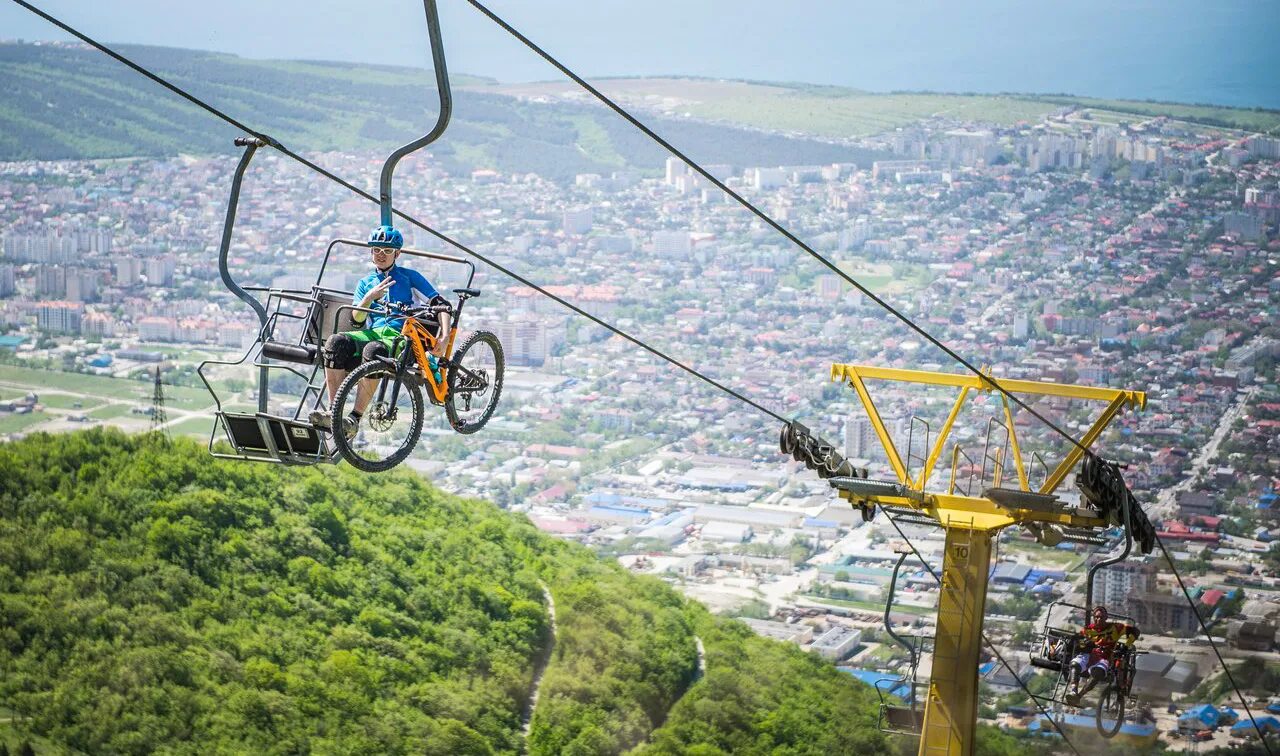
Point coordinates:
[[468, 387], [1110, 712]]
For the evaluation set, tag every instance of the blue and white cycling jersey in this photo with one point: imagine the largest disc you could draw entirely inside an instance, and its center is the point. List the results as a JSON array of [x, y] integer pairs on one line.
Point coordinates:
[[409, 287]]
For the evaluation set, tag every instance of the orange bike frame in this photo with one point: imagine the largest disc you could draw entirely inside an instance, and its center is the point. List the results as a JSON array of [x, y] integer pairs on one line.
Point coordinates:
[[421, 341]]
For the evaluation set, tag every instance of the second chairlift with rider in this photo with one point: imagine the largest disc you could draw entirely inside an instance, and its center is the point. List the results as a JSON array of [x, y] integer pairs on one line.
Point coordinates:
[[1099, 653]]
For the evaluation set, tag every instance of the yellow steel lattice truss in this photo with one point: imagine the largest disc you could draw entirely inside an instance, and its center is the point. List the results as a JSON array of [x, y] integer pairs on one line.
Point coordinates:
[[970, 523]]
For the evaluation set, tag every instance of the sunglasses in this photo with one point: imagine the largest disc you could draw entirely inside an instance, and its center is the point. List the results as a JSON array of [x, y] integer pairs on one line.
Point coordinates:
[[382, 250]]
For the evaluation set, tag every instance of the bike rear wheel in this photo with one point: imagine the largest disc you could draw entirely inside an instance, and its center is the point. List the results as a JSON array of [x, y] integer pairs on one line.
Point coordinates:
[[1110, 715], [475, 382], [387, 433]]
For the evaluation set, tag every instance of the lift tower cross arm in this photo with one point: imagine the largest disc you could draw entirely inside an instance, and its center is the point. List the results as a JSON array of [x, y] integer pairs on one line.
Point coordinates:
[[971, 522]]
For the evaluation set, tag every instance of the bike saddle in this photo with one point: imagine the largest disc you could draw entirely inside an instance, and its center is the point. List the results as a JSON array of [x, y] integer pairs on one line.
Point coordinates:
[[467, 292]]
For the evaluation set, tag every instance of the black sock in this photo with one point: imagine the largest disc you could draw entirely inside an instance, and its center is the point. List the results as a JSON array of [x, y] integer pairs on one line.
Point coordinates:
[[355, 415]]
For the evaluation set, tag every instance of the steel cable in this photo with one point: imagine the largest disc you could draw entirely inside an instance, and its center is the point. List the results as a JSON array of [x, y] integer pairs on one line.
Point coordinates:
[[267, 139], [785, 232], [366, 195]]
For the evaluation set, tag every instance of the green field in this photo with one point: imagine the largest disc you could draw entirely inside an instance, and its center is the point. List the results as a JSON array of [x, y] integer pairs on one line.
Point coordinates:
[[67, 401], [824, 111], [97, 386], [1063, 560], [110, 411], [594, 142], [841, 112], [1113, 118], [188, 354], [863, 114], [192, 426], [1248, 119], [10, 423], [31, 379], [881, 278], [868, 606]]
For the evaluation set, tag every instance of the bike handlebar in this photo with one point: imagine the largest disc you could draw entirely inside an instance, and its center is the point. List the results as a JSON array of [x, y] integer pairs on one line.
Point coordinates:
[[397, 308]]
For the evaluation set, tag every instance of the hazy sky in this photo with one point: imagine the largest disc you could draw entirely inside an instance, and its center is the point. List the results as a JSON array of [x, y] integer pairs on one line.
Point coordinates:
[[1222, 51]]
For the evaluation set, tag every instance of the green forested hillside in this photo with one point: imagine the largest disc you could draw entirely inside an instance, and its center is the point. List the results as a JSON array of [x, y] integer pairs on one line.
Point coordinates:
[[153, 599], [66, 102]]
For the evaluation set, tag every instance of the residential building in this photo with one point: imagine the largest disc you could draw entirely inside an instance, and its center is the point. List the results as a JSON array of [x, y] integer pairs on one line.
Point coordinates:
[[159, 270], [59, 317], [51, 281], [860, 440], [836, 643], [672, 242], [577, 220]]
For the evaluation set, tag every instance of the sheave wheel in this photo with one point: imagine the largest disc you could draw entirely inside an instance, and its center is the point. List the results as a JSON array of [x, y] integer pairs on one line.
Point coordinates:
[[387, 433], [475, 382]]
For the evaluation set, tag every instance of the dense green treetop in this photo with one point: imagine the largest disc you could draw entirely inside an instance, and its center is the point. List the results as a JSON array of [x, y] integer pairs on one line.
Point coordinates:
[[153, 599]]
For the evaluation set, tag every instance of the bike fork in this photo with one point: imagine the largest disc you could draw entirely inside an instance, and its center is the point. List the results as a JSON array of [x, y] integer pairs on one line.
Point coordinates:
[[402, 365]]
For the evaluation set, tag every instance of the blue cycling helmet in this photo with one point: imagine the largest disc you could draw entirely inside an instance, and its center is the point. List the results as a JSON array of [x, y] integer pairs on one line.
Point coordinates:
[[386, 236]]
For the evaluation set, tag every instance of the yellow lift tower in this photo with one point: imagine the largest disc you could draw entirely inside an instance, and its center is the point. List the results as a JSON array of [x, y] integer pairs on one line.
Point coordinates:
[[970, 523]]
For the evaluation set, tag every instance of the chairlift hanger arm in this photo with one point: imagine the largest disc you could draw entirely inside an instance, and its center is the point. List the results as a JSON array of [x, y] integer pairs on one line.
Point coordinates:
[[251, 145], [442, 117]]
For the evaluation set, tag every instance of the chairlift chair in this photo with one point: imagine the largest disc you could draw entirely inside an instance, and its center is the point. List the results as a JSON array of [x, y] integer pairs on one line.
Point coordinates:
[[1059, 645], [287, 438], [291, 341], [902, 715]]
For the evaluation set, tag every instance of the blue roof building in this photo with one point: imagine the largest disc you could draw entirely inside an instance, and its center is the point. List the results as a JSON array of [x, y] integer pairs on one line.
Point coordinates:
[[881, 681], [1244, 728], [1139, 734], [1202, 717], [618, 514], [1009, 573]]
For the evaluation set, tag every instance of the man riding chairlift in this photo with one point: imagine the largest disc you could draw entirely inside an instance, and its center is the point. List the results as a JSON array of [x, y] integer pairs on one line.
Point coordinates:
[[1099, 642], [344, 351]]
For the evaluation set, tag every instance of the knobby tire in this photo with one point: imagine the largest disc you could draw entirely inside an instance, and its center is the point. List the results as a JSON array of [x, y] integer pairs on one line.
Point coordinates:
[[347, 391], [495, 382]]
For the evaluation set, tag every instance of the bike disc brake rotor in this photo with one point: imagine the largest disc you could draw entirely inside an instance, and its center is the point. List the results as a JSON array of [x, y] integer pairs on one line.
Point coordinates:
[[380, 416]]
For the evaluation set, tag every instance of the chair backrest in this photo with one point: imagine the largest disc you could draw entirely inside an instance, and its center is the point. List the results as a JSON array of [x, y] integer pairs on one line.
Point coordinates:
[[324, 317]]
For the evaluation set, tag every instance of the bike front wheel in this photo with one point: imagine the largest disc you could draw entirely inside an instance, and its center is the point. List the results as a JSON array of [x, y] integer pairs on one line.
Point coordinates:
[[388, 431], [1110, 715], [475, 382]]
